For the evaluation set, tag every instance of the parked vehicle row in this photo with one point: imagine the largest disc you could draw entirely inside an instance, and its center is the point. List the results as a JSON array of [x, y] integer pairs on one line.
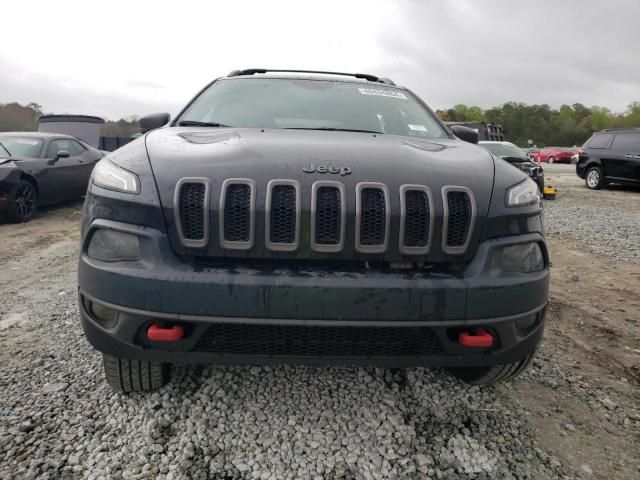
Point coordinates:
[[38, 168], [42, 168], [553, 155]]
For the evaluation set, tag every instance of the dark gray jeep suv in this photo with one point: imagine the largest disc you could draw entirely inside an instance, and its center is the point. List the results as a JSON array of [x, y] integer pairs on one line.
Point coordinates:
[[311, 218]]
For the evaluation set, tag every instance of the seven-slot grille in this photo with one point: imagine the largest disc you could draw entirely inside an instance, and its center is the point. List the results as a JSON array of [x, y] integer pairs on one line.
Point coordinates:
[[458, 218], [416, 219], [191, 211], [328, 216], [282, 221], [372, 217], [328, 210], [416, 227], [283, 214], [312, 341], [237, 213], [373, 223]]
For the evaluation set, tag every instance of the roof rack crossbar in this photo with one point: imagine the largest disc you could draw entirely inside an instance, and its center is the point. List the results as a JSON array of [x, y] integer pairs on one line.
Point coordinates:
[[364, 76]]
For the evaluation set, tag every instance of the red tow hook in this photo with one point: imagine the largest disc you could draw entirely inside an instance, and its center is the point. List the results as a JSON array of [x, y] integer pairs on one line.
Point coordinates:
[[161, 333], [480, 339]]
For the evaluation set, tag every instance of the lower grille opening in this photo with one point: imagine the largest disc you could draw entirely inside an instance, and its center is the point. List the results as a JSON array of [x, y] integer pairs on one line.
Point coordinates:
[[321, 265], [304, 341]]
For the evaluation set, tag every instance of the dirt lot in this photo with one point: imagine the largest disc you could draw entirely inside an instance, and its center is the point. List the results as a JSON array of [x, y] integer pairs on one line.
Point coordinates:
[[577, 405]]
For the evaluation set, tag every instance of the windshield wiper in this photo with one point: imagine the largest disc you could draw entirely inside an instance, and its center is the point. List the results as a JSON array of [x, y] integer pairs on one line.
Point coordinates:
[[509, 158], [331, 129], [5, 148], [193, 123]]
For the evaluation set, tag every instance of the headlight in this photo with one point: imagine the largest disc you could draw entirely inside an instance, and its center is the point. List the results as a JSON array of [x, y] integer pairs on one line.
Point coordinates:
[[109, 175], [524, 193], [523, 258], [113, 246]]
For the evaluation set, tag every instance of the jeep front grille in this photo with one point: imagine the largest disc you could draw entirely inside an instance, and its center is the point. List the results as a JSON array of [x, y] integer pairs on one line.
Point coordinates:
[[237, 213], [416, 219], [459, 209], [328, 216], [372, 217], [284, 221], [318, 341], [192, 211]]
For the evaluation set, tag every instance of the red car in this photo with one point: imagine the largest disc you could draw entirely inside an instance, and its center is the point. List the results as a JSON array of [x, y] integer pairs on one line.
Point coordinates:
[[552, 155]]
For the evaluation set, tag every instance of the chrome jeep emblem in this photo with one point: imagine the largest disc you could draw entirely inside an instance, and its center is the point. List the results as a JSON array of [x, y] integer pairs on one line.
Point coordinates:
[[327, 169]]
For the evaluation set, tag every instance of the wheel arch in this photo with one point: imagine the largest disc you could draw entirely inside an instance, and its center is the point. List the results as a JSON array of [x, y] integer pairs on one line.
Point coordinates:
[[595, 162], [31, 179]]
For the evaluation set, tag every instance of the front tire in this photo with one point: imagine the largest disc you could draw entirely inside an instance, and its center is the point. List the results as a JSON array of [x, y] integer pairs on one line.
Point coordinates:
[[593, 178], [125, 375], [484, 376], [551, 160], [23, 202]]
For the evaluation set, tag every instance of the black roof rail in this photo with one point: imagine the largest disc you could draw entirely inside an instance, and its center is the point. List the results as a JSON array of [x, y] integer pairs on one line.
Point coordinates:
[[619, 129], [364, 76]]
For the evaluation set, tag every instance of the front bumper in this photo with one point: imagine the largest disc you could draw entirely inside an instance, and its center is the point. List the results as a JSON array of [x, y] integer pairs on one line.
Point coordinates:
[[313, 303]]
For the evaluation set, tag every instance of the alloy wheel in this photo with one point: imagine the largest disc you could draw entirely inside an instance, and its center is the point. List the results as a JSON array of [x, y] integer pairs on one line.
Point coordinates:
[[25, 200], [593, 178]]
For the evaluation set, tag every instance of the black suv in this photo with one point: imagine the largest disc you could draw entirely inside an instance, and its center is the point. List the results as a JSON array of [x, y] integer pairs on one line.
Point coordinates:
[[611, 156], [312, 218]]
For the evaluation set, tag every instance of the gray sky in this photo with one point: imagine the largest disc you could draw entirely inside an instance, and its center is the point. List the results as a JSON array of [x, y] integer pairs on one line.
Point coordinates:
[[125, 57]]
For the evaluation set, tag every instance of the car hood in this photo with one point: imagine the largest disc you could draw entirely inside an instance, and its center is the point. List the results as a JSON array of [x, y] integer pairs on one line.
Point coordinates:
[[266, 154]]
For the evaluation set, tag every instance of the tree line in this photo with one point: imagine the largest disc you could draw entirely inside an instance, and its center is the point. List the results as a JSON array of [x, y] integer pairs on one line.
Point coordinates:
[[545, 126]]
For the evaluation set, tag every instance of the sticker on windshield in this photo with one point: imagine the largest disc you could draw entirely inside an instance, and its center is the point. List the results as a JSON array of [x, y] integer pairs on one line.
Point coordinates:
[[417, 128], [381, 92]]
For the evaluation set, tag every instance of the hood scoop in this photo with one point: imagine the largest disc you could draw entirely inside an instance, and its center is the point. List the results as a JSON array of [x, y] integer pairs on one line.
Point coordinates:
[[207, 138], [423, 145]]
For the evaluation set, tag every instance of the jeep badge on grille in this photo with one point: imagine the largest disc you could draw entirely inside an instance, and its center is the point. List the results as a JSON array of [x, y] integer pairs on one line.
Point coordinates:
[[327, 169]]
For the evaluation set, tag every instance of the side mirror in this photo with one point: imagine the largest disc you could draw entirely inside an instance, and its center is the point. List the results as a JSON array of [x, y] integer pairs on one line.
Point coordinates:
[[153, 121], [59, 155], [465, 133]]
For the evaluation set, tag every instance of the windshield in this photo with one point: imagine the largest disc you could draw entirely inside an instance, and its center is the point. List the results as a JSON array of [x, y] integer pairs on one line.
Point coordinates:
[[505, 151], [22, 146], [312, 104]]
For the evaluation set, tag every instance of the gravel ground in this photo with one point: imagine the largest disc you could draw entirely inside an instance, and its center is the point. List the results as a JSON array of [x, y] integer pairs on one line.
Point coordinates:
[[572, 415], [60, 418], [606, 221]]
